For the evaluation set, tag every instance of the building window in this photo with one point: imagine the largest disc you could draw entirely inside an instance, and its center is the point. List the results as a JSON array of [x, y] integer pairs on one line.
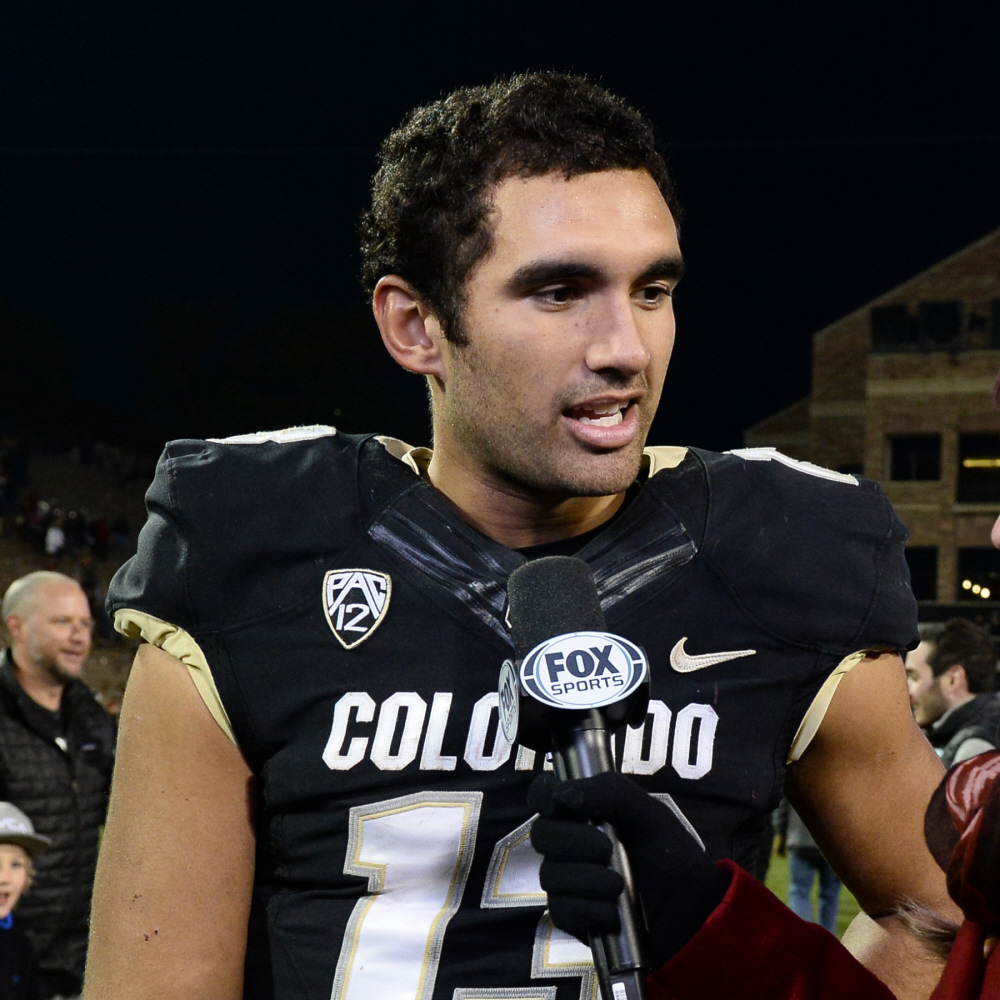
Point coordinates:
[[892, 328], [915, 456], [939, 325], [978, 574], [979, 468], [922, 560]]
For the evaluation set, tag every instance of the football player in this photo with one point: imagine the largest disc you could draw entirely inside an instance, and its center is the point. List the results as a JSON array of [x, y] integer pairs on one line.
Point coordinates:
[[312, 796]]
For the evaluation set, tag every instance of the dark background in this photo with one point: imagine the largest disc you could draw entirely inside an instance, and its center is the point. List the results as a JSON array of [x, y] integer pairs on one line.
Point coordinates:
[[180, 182]]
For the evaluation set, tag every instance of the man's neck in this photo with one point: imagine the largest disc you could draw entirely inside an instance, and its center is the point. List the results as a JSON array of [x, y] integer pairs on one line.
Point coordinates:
[[511, 515], [951, 708], [36, 682]]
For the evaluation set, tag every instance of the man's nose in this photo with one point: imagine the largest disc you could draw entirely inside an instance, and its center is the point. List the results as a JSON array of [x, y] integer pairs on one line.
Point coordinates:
[[616, 340]]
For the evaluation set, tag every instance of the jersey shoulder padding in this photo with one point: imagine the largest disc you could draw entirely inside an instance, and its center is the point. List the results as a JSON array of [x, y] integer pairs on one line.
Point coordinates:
[[237, 526], [814, 556]]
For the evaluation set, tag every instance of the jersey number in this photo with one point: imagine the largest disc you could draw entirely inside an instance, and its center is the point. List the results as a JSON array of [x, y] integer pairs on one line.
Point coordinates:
[[416, 852]]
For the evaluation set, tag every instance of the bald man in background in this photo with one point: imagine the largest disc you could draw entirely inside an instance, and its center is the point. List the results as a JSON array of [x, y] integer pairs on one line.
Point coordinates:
[[56, 754]]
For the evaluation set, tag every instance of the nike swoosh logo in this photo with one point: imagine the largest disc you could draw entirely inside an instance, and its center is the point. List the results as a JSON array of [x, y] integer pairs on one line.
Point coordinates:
[[685, 664]]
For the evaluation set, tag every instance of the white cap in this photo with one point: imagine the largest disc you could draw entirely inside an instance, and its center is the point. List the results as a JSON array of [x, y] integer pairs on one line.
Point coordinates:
[[16, 828]]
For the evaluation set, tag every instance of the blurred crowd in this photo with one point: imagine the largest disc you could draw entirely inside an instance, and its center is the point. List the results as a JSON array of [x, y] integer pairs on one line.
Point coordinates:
[[65, 538], [62, 673]]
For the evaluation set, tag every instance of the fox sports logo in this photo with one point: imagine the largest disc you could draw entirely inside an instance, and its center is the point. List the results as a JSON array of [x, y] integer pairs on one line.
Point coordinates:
[[583, 670]]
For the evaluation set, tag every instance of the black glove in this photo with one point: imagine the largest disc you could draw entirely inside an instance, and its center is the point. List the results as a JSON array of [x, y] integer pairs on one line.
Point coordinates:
[[678, 885]]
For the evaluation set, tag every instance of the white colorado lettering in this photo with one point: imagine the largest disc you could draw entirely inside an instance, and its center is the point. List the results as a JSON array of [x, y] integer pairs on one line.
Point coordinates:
[[416, 709], [333, 755], [647, 749], [475, 746], [632, 760], [432, 759], [693, 758]]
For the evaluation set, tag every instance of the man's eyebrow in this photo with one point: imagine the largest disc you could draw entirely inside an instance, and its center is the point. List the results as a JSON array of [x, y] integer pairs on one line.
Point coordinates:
[[671, 266], [541, 272]]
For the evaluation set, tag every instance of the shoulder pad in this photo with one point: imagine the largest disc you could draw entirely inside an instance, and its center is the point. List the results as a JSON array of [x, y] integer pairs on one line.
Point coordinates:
[[678, 477], [814, 556], [289, 435], [235, 532], [773, 455]]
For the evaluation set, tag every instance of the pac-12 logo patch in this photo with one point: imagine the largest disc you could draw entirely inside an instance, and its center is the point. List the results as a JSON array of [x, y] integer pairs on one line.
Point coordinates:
[[355, 602], [583, 670]]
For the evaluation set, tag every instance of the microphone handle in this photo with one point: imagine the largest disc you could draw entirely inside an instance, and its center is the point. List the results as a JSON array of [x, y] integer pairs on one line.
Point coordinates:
[[580, 751]]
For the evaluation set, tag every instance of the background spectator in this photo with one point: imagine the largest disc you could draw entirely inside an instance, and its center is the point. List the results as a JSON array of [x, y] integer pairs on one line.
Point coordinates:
[[55, 540], [56, 754], [805, 865], [950, 676], [18, 846]]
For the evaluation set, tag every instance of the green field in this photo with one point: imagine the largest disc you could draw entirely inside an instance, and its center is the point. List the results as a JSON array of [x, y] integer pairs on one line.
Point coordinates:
[[777, 882]]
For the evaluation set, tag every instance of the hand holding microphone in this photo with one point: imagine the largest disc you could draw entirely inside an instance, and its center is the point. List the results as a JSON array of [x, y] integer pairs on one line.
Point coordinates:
[[678, 885]]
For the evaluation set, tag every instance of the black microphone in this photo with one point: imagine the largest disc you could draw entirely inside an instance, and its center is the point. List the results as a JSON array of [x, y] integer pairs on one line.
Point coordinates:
[[574, 683]]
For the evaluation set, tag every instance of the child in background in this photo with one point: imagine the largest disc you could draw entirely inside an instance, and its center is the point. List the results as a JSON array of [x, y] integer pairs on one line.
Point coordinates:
[[18, 845]]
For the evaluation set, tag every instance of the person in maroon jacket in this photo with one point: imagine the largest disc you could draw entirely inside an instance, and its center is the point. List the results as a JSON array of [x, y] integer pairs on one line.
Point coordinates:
[[716, 932]]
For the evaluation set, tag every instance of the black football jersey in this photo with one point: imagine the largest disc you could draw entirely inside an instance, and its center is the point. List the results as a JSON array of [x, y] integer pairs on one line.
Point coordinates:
[[354, 628]]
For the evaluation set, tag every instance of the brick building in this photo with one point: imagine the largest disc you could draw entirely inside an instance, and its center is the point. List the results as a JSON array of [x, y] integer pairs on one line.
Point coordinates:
[[902, 391]]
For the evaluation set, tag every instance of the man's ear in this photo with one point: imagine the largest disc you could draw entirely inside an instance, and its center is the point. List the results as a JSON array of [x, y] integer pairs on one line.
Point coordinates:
[[957, 677], [411, 332], [14, 625]]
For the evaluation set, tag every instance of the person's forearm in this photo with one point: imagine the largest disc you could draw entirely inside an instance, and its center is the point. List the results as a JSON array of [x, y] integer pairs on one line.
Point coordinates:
[[888, 949]]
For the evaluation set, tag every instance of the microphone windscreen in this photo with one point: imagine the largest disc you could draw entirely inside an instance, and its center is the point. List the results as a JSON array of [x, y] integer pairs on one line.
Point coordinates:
[[551, 596]]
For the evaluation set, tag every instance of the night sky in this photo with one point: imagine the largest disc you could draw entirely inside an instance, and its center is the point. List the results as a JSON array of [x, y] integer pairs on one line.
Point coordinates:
[[216, 157]]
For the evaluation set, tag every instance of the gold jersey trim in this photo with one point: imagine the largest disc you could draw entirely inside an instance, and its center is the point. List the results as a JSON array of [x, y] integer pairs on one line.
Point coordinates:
[[811, 721], [175, 641], [416, 458], [660, 457]]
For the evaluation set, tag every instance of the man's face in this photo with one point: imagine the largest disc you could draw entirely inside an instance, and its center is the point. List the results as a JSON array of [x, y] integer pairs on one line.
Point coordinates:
[[926, 696], [570, 327], [54, 631]]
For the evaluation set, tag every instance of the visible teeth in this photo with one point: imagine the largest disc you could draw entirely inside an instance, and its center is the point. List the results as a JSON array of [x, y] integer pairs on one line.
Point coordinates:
[[603, 409], [608, 421], [602, 414]]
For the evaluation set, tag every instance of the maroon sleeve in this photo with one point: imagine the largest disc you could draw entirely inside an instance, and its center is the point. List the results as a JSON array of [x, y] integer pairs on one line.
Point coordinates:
[[753, 947]]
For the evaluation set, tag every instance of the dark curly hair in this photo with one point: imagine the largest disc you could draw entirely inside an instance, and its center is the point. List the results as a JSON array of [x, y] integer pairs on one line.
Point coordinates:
[[431, 196]]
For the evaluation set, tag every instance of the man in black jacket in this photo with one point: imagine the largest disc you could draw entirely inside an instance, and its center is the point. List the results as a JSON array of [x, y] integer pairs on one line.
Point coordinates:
[[56, 753], [950, 676]]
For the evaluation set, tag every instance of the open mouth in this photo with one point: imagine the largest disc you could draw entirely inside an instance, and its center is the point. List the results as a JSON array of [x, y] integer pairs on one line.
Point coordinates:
[[601, 414]]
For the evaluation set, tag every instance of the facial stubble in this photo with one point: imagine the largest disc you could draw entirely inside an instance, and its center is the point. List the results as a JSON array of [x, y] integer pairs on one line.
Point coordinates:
[[478, 408]]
